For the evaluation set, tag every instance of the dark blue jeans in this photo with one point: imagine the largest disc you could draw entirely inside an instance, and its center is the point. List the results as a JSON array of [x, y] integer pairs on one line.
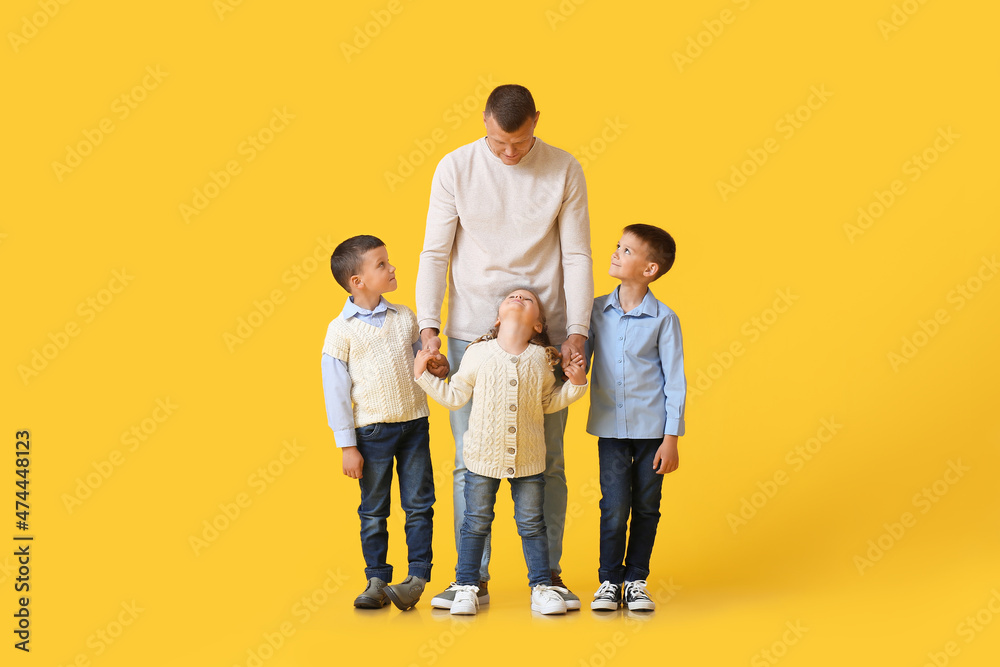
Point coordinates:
[[528, 494], [628, 483], [409, 444]]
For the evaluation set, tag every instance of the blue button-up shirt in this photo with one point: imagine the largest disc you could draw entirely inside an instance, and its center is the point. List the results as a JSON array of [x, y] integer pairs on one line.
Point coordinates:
[[637, 383]]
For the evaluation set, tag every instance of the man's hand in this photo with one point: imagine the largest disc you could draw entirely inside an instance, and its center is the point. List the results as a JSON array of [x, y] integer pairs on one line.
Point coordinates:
[[438, 366], [573, 345], [429, 340], [353, 462], [574, 370], [665, 460]]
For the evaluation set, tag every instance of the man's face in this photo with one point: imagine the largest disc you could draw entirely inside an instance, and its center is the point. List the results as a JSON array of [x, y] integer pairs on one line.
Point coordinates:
[[630, 259], [377, 274], [510, 146]]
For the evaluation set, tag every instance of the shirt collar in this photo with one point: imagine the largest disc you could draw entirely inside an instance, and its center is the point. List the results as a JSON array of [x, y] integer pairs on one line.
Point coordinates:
[[351, 309], [646, 307]]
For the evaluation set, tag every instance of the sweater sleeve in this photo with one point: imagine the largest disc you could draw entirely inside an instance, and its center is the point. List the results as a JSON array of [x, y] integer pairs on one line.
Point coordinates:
[[458, 391], [439, 237], [558, 398], [574, 239]]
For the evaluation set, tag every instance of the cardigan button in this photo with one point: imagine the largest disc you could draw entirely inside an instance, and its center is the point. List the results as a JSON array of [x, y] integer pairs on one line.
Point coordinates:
[[513, 408], [510, 471], [510, 450], [512, 430], [513, 360], [513, 383]]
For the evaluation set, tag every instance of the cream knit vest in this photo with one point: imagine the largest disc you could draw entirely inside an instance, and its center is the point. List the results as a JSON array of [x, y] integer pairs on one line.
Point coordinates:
[[380, 362]]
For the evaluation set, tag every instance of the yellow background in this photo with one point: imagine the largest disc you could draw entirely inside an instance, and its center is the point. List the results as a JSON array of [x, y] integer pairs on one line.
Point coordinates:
[[357, 114]]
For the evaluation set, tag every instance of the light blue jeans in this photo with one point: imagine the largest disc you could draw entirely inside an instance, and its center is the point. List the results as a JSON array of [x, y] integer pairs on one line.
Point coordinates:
[[480, 498], [554, 507]]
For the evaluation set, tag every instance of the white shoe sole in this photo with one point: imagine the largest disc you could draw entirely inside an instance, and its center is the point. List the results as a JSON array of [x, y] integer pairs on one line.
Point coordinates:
[[445, 603], [463, 610], [572, 605], [604, 605], [549, 609], [647, 605]]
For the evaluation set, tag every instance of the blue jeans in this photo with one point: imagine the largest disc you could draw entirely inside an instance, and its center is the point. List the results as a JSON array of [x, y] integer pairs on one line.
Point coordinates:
[[409, 444], [480, 497], [554, 507], [628, 482]]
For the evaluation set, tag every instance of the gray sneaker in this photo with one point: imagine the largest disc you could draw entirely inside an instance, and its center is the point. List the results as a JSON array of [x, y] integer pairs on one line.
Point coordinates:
[[570, 598], [405, 594], [444, 599], [374, 596]]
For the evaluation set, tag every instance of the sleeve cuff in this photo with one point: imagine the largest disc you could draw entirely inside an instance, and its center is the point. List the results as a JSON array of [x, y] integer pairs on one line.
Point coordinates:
[[345, 438], [428, 324], [674, 427], [578, 329]]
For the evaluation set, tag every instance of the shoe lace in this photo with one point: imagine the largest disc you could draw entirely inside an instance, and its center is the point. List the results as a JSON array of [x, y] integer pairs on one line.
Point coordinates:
[[459, 588], [607, 589], [637, 588]]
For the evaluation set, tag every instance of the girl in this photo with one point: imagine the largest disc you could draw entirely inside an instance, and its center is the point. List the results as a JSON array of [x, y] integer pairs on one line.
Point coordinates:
[[510, 372]]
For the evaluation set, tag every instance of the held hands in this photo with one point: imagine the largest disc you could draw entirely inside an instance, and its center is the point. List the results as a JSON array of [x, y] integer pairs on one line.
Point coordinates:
[[420, 362], [573, 345], [665, 460], [574, 369], [437, 363], [353, 462]]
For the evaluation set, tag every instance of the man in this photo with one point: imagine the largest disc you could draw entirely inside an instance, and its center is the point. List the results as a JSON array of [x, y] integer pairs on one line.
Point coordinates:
[[508, 211]]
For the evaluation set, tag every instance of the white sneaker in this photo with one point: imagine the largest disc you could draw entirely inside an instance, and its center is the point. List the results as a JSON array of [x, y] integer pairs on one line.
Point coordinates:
[[466, 602], [444, 599], [636, 596], [546, 600]]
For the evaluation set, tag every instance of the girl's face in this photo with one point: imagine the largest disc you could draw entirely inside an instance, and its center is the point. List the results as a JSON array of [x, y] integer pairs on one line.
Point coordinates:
[[521, 306]]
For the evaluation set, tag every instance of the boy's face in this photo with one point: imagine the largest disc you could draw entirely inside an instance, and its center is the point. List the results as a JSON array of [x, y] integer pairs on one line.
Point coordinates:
[[630, 260], [377, 275]]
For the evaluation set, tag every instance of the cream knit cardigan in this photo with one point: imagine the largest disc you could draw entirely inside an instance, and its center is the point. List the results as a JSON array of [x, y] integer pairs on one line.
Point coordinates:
[[506, 436], [380, 362]]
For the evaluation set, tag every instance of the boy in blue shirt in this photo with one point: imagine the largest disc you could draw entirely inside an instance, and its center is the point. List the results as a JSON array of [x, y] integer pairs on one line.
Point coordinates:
[[636, 411]]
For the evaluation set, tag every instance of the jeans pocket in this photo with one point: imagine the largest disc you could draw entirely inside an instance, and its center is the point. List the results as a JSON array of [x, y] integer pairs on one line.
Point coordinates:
[[370, 431]]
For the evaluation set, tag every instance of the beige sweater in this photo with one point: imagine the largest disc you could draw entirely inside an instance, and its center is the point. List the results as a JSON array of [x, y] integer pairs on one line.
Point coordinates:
[[502, 227], [506, 436], [380, 362]]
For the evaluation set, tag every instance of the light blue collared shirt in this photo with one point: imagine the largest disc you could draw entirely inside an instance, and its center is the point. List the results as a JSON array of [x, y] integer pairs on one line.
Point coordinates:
[[637, 385], [337, 381]]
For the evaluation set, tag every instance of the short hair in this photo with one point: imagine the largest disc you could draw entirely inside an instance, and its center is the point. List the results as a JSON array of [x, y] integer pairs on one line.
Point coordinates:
[[347, 257], [510, 105], [659, 244]]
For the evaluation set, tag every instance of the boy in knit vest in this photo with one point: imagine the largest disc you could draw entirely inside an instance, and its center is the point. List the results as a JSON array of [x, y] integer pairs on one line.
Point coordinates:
[[378, 414], [637, 411]]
